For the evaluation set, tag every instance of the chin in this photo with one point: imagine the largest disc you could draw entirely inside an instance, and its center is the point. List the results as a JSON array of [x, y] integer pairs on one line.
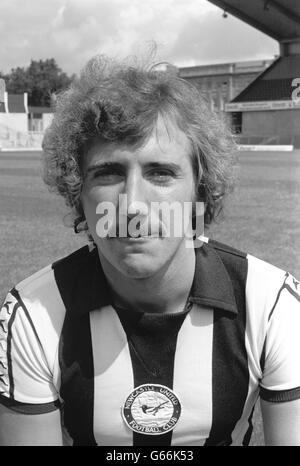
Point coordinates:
[[138, 268], [140, 260]]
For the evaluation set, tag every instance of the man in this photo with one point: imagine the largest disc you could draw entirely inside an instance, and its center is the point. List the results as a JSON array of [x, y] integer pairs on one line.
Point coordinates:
[[140, 339]]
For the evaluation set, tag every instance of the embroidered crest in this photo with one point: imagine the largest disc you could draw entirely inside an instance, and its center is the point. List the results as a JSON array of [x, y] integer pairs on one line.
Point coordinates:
[[151, 409]]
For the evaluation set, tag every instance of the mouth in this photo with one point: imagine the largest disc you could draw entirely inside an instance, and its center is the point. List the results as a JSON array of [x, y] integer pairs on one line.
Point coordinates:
[[135, 238]]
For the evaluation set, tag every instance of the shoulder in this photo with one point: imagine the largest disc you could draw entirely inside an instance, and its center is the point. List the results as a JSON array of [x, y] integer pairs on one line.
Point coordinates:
[[264, 279], [266, 287], [257, 272], [42, 285], [260, 282], [31, 323], [36, 302], [41, 288]]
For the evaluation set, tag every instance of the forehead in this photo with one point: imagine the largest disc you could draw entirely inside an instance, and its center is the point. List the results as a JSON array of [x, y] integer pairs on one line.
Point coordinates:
[[166, 143]]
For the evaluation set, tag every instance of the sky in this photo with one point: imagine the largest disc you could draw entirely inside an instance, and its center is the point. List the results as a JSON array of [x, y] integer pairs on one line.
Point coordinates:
[[187, 32]]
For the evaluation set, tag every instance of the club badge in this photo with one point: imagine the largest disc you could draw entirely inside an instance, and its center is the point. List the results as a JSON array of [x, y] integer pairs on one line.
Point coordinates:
[[151, 409]]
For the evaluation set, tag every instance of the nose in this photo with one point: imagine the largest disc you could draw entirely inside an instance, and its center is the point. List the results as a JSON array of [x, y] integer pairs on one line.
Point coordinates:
[[136, 195]]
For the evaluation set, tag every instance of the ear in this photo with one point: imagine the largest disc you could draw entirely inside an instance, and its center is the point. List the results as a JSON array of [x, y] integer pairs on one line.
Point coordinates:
[[201, 192], [80, 220], [201, 197]]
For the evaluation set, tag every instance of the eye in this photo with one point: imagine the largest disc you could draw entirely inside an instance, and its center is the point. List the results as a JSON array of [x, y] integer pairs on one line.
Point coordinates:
[[107, 175], [161, 175]]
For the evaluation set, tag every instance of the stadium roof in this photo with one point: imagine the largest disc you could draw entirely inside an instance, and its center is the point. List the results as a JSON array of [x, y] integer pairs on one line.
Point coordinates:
[[273, 84], [279, 19]]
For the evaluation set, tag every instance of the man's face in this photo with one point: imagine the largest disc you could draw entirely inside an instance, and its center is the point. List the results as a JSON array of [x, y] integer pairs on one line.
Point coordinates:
[[159, 171]]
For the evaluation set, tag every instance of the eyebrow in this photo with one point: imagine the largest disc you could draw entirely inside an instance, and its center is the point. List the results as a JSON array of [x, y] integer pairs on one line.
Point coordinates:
[[170, 165], [97, 165], [118, 165]]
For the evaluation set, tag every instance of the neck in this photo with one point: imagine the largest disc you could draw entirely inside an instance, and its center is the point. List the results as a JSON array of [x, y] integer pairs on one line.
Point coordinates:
[[164, 292]]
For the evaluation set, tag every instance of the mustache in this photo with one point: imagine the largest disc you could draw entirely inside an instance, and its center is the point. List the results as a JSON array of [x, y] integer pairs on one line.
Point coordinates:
[[133, 228]]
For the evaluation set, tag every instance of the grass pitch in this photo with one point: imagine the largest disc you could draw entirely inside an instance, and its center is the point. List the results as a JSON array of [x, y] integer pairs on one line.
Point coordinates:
[[261, 217]]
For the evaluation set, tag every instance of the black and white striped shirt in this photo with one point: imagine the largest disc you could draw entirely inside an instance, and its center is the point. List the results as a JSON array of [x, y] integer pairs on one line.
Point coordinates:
[[63, 345]]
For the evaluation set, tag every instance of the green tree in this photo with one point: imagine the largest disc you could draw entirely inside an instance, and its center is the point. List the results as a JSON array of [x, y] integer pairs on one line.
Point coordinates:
[[39, 80]]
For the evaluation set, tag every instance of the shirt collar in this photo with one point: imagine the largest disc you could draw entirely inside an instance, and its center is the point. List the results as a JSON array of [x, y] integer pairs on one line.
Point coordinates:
[[211, 285]]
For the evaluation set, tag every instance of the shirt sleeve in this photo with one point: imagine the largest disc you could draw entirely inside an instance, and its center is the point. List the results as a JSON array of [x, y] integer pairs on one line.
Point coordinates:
[[281, 351], [26, 380]]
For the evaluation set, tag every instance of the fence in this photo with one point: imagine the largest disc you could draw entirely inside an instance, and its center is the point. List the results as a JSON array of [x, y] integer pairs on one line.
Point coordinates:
[[11, 139], [268, 140]]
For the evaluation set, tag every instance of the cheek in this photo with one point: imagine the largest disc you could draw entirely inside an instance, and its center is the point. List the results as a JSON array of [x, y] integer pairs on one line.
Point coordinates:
[[90, 200], [188, 191], [92, 196], [88, 203]]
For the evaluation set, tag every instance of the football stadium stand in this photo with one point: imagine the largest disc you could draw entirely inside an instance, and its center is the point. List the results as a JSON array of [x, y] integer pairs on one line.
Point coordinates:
[[266, 111], [21, 127], [221, 82]]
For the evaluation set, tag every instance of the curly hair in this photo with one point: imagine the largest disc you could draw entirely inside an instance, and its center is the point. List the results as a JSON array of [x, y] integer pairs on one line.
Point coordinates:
[[121, 101]]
